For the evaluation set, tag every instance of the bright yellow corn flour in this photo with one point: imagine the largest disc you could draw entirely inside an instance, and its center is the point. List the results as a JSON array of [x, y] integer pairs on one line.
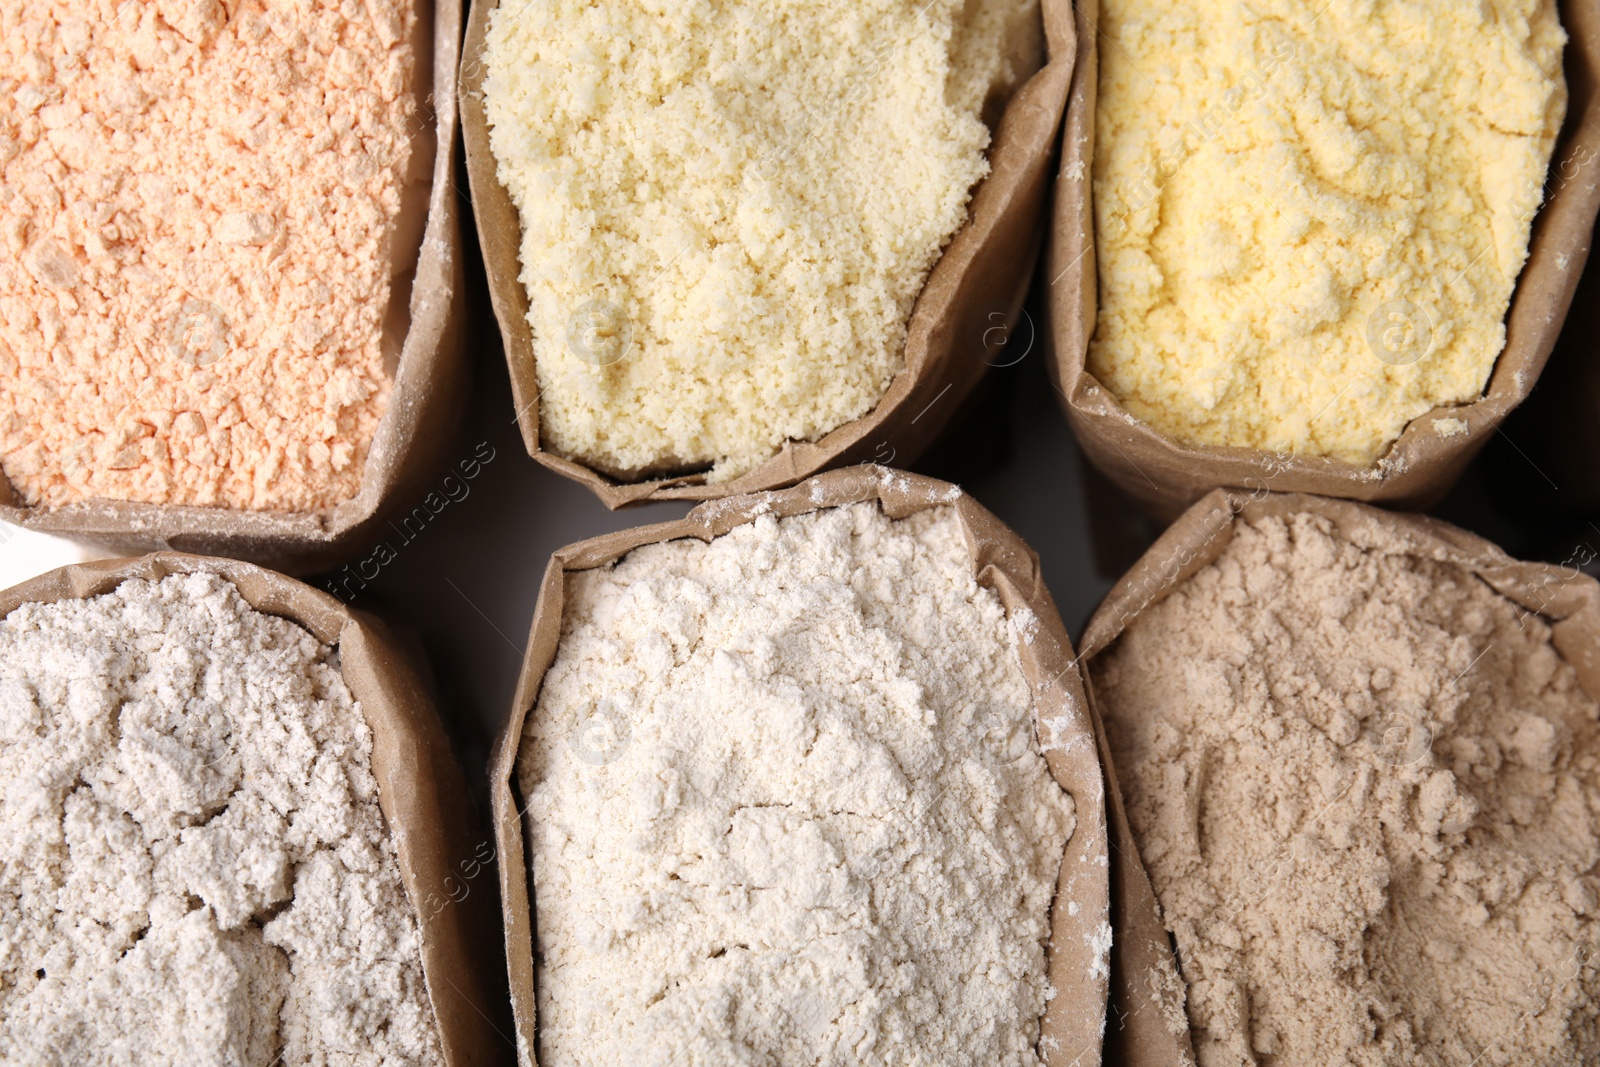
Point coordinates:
[[1310, 218]]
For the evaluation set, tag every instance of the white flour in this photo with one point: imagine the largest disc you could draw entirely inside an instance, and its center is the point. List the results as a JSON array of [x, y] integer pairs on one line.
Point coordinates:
[[193, 865], [787, 807]]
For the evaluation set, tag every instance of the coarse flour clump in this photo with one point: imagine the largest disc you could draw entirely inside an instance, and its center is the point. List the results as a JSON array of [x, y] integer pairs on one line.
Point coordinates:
[[203, 207], [786, 806], [729, 207], [193, 865], [1367, 790]]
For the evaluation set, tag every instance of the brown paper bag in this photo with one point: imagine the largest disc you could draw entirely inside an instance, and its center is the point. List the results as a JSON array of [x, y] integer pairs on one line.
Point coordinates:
[[1166, 475], [971, 298], [443, 855], [1147, 1023], [1002, 562], [1557, 431], [428, 391]]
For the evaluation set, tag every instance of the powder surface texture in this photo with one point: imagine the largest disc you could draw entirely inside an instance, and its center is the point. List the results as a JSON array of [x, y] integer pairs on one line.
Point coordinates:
[[1310, 217], [1367, 790], [729, 207], [786, 806], [198, 212], [193, 865]]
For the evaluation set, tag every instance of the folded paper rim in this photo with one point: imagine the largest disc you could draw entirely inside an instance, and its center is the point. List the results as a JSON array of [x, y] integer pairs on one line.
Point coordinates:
[[442, 853], [427, 395], [1165, 475], [969, 304], [1147, 991], [1072, 1027]]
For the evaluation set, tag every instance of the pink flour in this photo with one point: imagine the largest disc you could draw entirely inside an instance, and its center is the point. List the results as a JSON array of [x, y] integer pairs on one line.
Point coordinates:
[[200, 219]]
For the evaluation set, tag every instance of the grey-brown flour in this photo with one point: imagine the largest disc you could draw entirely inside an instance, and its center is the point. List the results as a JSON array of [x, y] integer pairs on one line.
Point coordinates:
[[1366, 790], [193, 865]]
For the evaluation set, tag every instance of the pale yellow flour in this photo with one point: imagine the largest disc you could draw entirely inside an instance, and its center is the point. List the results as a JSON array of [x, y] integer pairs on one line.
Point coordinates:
[[198, 209], [729, 207], [1310, 215]]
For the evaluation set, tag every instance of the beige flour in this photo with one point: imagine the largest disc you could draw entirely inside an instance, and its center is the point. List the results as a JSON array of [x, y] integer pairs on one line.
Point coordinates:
[[193, 865], [729, 207], [198, 209], [786, 806], [1367, 790], [1310, 214]]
